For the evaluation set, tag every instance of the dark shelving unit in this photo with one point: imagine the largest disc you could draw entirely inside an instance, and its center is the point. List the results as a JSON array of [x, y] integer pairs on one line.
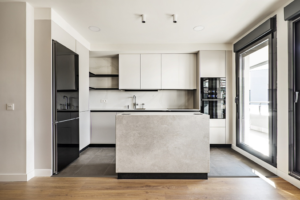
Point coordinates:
[[92, 88], [103, 75]]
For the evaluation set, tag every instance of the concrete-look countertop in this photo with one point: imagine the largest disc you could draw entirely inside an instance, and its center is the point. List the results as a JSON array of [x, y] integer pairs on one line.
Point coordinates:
[[162, 142]]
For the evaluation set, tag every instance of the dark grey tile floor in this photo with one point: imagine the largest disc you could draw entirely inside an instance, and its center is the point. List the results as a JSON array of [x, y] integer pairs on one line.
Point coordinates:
[[224, 162], [93, 162]]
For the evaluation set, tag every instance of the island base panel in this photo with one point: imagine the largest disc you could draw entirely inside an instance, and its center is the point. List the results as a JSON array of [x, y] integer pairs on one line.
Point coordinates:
[[162, 175]]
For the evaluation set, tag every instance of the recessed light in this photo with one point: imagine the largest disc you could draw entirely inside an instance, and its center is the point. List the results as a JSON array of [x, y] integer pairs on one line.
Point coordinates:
[[198, 28], [94, 28]]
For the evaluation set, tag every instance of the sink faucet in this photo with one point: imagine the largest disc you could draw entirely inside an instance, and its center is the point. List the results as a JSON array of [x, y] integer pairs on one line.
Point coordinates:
[[70, 102], [134, 103], [67, 102]]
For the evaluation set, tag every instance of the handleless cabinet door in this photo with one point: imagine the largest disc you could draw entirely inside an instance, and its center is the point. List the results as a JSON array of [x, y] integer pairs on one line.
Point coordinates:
[[187, 71], [103, 127], [129, 71], [151, 71], [170, 71], [212, 64], [179, 71]]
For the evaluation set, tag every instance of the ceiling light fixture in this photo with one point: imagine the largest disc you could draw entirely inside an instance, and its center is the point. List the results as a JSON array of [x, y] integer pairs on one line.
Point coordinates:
[[198, 28], [94, 28], [175, 17], [143, 18]]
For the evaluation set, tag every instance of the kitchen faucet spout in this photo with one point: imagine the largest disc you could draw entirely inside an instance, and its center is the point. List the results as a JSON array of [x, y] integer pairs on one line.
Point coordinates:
[[67, 102], [134, 102]]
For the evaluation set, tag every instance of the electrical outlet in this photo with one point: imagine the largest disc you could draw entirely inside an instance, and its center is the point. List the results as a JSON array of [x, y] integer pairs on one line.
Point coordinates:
[[103, 101]]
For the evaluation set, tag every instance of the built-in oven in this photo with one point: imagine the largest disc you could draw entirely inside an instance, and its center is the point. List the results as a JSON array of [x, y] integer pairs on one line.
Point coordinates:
[[213, 97]]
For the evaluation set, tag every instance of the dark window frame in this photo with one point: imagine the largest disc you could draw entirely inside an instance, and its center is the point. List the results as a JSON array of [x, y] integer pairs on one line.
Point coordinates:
[[292, 89], [272, 159]]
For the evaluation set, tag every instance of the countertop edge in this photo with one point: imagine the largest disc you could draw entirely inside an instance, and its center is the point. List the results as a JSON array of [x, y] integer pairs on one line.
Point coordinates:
[[146, 110]]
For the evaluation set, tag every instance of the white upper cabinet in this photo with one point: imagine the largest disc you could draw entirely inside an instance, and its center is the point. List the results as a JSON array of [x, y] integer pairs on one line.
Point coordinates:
[[179, 71], [212, 64], [170, 71], [129, 71], [151, 71]]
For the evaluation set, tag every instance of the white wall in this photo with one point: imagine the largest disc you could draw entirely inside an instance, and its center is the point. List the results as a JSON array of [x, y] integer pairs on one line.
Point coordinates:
[[16, 86], [282, 100], [43, 96], [29, 91]]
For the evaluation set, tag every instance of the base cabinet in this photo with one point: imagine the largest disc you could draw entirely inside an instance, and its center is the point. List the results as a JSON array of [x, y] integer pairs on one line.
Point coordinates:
[[217, 131], [103, 127], [85, 129]]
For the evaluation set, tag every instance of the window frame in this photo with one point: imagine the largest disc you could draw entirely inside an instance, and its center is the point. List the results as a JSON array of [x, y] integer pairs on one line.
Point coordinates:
[[272, 159]]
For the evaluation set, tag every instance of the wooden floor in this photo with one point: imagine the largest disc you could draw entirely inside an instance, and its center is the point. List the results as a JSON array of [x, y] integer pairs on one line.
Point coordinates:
[[111, 188]]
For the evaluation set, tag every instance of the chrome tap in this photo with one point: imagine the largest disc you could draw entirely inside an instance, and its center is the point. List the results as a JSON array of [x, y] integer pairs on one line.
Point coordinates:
[[70, 102], [67, 102], [134, 103]]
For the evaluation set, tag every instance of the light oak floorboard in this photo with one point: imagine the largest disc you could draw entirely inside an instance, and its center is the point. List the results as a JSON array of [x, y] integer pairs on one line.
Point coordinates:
[[45, 188]]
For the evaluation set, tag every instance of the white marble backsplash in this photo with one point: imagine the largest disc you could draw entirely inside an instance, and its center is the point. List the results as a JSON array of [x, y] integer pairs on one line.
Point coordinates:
[[153, 100]]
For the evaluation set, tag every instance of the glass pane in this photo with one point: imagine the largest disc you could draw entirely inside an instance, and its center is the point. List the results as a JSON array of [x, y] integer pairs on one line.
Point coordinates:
[[214, 97], [254, 98]]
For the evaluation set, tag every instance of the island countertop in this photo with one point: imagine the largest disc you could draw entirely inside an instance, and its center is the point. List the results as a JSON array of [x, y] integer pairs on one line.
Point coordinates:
[[162, 145]]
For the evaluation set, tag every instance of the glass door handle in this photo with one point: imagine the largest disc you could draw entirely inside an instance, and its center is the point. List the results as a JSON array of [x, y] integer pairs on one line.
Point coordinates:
[[236, 100], [296, 97]]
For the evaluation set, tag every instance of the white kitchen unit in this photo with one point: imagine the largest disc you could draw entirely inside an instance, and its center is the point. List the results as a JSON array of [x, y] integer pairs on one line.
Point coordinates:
[[130, 71], [212, 64], [150, 71], [84, 113], [217, 131], [179, 71], [84, 129], [83, 76], [103, 127]]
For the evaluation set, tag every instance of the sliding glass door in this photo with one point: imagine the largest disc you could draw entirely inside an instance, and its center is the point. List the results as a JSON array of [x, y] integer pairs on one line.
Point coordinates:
[[294, 105], [255, 100]]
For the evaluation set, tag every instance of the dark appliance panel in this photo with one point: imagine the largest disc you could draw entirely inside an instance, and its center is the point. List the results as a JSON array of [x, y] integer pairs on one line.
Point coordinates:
[[67, 143], [213, 97]]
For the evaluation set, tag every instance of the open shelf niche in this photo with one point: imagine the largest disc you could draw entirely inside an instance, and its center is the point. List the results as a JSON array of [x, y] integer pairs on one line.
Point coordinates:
[[104, 73]]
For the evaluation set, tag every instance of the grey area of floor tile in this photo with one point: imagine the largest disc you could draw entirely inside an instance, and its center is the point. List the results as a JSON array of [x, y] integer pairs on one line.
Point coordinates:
[[227, 162], [100, 162], [91, 170]]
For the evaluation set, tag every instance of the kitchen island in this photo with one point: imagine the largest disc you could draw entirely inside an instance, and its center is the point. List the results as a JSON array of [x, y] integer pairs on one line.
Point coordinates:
[[165, 145]]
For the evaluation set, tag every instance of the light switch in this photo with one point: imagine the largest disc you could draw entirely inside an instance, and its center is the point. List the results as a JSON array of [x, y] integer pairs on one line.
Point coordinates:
[[10, 106]]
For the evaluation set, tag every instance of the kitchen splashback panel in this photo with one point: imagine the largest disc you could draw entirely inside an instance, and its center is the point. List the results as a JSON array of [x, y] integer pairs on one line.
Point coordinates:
[[161, 99]]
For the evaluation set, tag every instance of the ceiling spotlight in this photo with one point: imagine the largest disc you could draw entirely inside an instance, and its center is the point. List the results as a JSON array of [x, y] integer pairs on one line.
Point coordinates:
[[143, 18], [94, 28], [175, 17], [198, 28]]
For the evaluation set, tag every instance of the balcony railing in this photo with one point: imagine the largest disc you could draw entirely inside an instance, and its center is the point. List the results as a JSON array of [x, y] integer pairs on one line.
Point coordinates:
[[259, 107]]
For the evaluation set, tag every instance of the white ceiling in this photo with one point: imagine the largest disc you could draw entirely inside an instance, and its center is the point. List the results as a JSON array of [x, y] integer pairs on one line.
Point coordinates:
[[120, 21]]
